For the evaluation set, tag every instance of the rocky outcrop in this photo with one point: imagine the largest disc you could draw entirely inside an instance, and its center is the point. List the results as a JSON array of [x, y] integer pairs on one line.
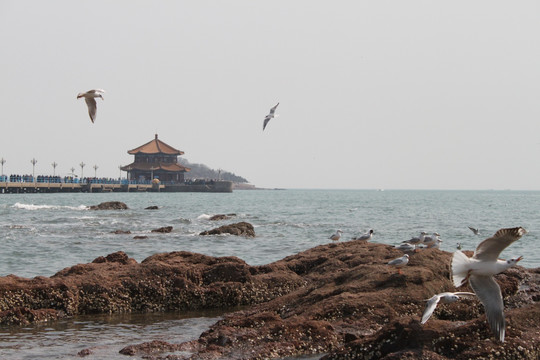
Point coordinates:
[[340, 299], [353, 306], [163, 282], [109, 205], [240, 229], [153, 207]]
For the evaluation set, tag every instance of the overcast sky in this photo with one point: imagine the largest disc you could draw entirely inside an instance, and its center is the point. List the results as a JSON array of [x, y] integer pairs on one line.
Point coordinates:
[[373, 94]]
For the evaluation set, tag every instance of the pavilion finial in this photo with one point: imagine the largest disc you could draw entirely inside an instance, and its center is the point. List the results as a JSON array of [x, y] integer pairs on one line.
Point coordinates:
[[156, 136]]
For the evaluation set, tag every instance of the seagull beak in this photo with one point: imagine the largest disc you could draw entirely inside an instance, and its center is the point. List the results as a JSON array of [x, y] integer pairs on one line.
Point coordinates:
[[519, 258]]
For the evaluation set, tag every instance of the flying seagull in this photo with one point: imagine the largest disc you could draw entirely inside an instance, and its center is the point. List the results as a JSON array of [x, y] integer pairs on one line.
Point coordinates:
[[474, 230], [90, 98], [444, 298], [270, 116], [479, 270]]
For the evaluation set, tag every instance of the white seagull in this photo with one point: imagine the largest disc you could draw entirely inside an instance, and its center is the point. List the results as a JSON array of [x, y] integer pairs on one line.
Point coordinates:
[[400, 262], [90, 98], [445, 298], [270, 116], [336, 236], [479, 270], [431, 240], [405, 247], [367, 236], [417, 240]]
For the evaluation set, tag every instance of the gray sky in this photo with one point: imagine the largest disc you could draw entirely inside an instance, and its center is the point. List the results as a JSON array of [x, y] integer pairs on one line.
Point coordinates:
[[373, 94]]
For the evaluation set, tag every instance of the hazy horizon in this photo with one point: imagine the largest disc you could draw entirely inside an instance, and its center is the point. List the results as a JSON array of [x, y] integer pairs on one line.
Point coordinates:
[[373, 95]]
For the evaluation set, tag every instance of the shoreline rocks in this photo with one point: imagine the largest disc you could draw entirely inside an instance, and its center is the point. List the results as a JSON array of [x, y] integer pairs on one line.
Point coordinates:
[[340, 299]]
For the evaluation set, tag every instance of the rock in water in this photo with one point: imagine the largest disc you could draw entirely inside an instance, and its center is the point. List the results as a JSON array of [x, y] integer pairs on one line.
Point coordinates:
[[240, 229], [110, 205]]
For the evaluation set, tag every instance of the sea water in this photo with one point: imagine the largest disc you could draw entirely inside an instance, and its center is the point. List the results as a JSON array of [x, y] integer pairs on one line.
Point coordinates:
[[40, 234]]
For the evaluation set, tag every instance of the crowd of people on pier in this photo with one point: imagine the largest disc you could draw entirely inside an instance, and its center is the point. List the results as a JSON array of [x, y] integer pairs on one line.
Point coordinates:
[[88, 180]]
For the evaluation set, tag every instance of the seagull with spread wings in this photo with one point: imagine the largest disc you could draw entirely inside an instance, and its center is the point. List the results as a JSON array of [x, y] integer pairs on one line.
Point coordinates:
[[270, 116], [444, 298], [90, 98], [479, 271]]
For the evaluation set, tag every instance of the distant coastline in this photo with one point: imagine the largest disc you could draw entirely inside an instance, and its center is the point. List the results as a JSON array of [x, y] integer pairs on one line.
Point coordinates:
[[245, 186]]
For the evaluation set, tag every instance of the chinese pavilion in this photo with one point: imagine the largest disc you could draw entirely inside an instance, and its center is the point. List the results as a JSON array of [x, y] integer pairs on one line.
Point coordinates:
[[156, 160]]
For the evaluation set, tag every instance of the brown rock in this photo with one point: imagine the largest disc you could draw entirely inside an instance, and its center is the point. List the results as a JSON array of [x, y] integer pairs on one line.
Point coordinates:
[[140, 237], [110, 205], [165, 229], [240, 229], [153, 207], [340, 299]]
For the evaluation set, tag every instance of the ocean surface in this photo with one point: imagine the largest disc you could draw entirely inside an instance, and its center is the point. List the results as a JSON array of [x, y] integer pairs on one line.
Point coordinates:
[[40, 234]]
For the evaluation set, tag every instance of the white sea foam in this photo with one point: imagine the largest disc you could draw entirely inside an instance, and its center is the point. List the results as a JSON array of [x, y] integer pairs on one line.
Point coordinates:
[[204, 217], [48, 207]]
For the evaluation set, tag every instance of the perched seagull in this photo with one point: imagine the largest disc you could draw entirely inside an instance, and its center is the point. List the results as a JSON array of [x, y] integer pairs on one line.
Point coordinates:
[[270, 116], [90, 98], [399, 262], [336, 236], [479, 270], [367, 236], [475, 231], [458, 246], [436, 244], [417, 240], [431, 240], [405, 247], [445, 298]]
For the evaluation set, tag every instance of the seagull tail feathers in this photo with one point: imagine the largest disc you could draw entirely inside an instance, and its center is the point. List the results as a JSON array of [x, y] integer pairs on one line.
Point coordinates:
[[460, 268]]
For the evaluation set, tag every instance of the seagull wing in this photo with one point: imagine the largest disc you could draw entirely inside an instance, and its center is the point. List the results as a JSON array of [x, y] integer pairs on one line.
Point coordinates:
[[266, 120], [273, 110], [490, 249], [489, 293], [475, 231], [96, 91], [91, 102], [430, 307], [467, 295]]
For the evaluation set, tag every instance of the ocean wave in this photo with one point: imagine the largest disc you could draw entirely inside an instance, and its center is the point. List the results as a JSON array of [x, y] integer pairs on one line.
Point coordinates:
[[204, 217], [47, 207]]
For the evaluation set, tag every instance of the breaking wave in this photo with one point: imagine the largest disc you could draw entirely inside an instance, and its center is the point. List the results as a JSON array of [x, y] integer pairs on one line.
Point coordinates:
[[48, 207]]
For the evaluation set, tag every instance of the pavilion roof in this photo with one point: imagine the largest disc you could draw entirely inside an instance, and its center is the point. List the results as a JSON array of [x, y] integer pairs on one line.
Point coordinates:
[[172, 167], [155, 146]]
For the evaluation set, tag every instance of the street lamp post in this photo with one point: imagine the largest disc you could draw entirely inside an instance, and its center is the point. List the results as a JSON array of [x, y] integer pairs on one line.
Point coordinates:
[[119, 172], [54, 165], [82, 164], [2, 161], [95, 170], [34, 162]]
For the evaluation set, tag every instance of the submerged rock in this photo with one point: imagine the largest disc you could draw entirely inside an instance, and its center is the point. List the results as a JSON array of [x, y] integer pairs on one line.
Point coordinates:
[[221, 217], [240, 229], [153, 207], [109, 205]]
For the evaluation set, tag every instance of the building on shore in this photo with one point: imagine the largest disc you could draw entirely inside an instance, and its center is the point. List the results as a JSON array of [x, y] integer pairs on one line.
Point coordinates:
[[156, 160]]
